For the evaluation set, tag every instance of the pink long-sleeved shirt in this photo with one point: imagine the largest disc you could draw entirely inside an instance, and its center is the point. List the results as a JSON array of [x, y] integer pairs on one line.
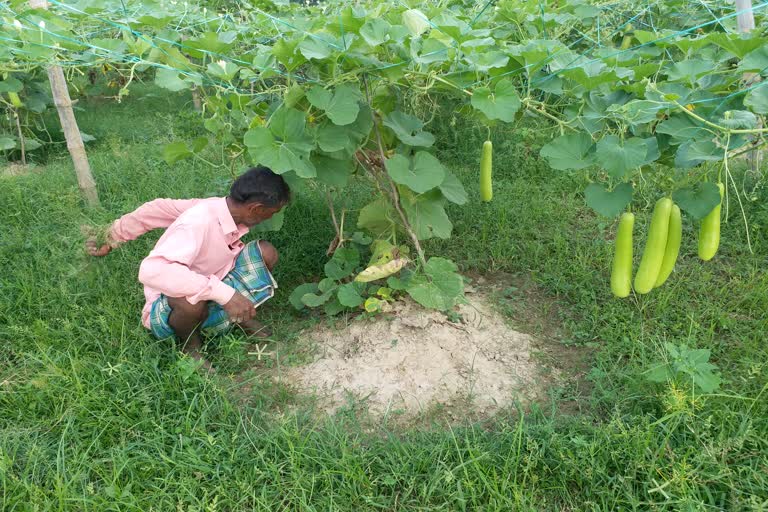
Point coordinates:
[[197, 250]]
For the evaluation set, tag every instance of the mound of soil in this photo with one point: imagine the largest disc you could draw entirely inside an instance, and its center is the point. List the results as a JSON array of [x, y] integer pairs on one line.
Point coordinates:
[[413, 362]]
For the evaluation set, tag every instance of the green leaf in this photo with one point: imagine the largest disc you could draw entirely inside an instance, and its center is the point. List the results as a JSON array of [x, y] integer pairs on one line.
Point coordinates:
[[637, 111], [362, 126], [285, 52], [739, 119], [343, 263], [36, 103], [416, 22], [31, 144], [375, 31], [176, 151], [586, 11], [169, 79], [331, 137], [333, 307], [681, 127], [426, 214], [552, 84], [397, 283], [738, 44], [378, 217], [440, 287], [652, 154], [503, 103], [222, 69], [209, 42], [293, 95], [315, 48], [694, 152], [199, 144], [453, 190], [312, 300], [275, 223], [299, 292], [689, 70], [572, 151], [486, 60], [327, 285], [659, 373], [617, 158], [592, 74], [757, 99], [420, 173], [707, 381], [409, 129], [7, 142], [755, 61], [608, 203], [332, 172], [11, 84], [341, 106], [361, 238], [284, 145], [698, 200], [349, 295]]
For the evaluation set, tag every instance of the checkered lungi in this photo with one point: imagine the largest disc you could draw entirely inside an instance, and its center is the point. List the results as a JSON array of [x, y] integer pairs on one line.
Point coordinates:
[[250, 276]]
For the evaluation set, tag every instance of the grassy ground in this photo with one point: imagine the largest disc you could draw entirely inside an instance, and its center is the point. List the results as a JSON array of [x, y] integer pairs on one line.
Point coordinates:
[[96, 415]]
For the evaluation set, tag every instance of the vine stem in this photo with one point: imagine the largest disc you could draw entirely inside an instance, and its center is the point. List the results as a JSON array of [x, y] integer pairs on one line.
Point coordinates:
[[336, 243], [442, 80], [531, 106], [21, 137], [728, 176], [716, 126], [393, 188]]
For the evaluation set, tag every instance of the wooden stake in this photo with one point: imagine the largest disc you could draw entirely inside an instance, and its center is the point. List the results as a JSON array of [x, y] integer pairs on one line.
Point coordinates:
[[746, 21], [745, 18], [75, 144], [196, 100]]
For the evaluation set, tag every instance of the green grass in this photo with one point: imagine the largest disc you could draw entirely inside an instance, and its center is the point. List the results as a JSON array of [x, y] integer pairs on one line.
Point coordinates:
[[96, 415]]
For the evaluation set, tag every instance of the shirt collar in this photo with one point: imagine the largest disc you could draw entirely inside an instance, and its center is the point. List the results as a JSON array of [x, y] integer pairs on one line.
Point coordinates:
[[226, 221]]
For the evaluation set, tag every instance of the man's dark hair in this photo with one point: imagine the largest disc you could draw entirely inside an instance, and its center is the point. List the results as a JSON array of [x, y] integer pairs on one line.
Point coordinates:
[[260, 185]]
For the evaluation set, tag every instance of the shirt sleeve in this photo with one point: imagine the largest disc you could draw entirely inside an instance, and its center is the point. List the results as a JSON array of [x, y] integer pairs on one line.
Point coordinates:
[[167, 268], [159, 213]]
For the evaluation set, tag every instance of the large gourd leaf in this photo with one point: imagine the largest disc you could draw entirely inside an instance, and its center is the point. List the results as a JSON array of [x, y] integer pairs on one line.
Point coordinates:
[[420, 173], [571, 151], [440, 287]]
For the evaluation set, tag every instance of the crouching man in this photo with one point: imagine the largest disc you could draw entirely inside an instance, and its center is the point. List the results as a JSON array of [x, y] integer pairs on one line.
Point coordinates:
[[200, 275]]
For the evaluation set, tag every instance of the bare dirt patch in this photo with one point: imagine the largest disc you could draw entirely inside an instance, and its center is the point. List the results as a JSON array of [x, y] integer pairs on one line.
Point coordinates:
[[13, 169], [413, 362]]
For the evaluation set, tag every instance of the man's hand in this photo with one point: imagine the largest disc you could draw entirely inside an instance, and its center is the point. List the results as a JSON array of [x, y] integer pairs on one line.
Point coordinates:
[[239, 309], [93, 248], [92, 245]]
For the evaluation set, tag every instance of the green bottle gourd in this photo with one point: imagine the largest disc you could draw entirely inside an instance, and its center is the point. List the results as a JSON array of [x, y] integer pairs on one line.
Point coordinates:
[[709, 232], [621, 273], [15, 100], [674, 237], [486, 165], [653, 254]]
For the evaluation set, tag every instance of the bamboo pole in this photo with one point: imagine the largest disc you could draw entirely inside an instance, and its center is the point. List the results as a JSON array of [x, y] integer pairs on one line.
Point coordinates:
[[75, 144], [746, 20], [745, 16]]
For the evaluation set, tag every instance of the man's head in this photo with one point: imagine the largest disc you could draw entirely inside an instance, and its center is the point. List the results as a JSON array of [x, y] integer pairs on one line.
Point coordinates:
[[258, 194]]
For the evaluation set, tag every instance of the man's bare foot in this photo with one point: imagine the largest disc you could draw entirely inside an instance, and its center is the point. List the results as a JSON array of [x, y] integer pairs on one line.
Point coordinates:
[[255, 328], [205, 364]]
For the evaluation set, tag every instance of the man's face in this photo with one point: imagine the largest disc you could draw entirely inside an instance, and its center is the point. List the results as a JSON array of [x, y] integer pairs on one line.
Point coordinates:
[[259, 213]]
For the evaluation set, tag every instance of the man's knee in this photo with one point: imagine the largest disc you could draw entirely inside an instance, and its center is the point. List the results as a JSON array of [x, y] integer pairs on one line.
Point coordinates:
[[269, 254], [184, 308]]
